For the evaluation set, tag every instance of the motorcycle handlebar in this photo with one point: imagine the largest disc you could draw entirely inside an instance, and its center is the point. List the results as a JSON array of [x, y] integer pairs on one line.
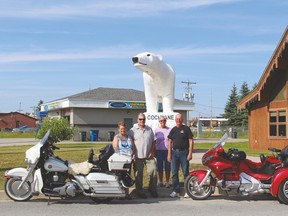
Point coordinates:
[[274, 150], [55, 147]]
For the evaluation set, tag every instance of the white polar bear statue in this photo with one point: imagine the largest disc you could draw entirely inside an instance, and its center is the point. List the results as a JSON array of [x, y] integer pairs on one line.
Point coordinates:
[[159, 80]]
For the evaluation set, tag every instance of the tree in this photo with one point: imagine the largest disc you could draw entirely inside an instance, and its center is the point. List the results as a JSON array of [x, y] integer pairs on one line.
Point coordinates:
[[244, 90], [60, 129], [38, 107], [231, 112]]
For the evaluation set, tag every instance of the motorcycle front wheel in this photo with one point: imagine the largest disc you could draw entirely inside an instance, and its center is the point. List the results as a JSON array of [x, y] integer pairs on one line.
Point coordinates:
[[283, 191], [12, 191], [193, 189]]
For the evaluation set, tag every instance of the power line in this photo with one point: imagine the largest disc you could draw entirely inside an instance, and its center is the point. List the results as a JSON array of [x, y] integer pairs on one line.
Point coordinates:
[[209, 106]]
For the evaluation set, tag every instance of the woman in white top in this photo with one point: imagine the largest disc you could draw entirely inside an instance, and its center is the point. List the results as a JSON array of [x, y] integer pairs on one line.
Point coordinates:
[[123, 145]]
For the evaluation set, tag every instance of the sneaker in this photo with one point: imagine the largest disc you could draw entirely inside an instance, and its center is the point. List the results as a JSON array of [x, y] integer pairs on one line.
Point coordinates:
[[160, 184], [174, 195], [186, 196], [167, 185]]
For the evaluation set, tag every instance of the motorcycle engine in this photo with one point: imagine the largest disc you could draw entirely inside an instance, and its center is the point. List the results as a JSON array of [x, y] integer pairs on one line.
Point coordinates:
[[69, 189], [248, 184], [54, 179]]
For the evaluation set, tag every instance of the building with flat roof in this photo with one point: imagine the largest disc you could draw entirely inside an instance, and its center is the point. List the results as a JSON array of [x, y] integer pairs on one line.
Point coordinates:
[[97, 112]]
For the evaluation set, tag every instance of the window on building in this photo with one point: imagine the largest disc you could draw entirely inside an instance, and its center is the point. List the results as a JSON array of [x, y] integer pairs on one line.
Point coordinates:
[[277, 121]]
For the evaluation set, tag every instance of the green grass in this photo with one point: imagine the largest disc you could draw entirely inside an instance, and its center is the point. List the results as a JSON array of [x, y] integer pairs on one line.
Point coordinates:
[[17, 134], [14, 156]]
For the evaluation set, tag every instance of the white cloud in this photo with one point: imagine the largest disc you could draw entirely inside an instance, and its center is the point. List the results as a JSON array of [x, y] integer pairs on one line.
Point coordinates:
[[89, 8], [120, 52]]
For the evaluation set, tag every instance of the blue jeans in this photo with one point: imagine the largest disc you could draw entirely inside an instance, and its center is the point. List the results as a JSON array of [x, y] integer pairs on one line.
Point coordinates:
[[179, 158], [161, 156]]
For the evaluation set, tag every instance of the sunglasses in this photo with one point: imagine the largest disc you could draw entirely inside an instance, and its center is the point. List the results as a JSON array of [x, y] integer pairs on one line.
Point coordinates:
[[143, 119]]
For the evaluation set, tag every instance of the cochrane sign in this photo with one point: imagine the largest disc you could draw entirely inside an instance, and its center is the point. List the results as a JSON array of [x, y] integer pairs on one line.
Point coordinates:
[[157, 116], [152, 119]]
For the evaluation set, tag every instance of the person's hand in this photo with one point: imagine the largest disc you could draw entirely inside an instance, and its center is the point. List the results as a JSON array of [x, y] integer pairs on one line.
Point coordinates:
[[169, 158], [151, 155], [189, 157]]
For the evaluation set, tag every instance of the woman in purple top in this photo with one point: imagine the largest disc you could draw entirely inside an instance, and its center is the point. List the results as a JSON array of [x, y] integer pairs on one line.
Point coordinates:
[[161, 134]]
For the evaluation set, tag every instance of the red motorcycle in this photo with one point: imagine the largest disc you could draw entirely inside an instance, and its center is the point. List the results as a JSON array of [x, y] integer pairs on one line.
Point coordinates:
[[231, 172]]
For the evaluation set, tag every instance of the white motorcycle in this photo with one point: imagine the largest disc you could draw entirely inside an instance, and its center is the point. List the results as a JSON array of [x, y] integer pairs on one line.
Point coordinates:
[[102, 180]]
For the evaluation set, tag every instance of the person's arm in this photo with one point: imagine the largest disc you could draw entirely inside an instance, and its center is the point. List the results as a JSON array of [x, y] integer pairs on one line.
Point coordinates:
[[131, 135], [153, 149], [191, 146], [115, 142], [169, 156]]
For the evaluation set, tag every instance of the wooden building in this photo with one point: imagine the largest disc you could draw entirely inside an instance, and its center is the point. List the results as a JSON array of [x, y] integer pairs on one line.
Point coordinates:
[[267, 104]]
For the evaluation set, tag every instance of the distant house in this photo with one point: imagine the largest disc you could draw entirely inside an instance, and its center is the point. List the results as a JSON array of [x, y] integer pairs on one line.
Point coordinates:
[[16, 120], [267, 104]]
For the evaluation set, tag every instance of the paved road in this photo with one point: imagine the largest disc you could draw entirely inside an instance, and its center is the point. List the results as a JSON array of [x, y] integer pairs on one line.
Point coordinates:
[[216, 205]]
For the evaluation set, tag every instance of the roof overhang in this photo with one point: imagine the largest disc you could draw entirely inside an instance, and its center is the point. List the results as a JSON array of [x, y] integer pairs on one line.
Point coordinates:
[[255, 95]]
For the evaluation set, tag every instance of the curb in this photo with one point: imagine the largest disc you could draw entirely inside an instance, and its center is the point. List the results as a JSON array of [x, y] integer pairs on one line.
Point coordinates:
[[162, 193]]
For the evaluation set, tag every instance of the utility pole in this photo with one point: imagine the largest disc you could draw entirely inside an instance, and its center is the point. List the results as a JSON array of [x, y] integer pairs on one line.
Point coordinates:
[[188, 95], [34, 111], [20, 110], [211, 112]]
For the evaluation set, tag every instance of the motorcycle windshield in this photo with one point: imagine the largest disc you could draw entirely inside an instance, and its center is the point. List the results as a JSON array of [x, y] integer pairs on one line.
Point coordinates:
[[221, 142], [33, 153]]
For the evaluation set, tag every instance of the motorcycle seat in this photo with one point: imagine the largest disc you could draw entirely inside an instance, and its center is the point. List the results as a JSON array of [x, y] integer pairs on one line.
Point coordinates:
[[261, 168], [267, 168]]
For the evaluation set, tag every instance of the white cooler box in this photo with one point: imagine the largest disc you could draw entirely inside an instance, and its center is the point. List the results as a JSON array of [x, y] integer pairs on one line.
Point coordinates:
[[119, 162]]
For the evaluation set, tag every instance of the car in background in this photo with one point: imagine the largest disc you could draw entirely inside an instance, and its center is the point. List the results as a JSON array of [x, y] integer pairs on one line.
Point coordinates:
[[24, 128], [8, 129]]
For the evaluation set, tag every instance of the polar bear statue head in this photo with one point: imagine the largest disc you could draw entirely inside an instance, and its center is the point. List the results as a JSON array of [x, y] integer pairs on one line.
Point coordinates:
[[159, 81], [147, 61]]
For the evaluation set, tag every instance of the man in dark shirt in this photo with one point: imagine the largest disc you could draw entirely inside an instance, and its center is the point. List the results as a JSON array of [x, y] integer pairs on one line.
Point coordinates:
[[179, 152]]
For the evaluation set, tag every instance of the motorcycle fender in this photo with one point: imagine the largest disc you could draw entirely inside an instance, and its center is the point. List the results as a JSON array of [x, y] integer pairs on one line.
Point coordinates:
[[38, 182], [278, 177], [200, 174], [17, 173]]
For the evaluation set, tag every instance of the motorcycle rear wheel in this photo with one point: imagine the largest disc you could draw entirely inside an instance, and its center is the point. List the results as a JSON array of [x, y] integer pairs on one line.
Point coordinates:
[[11, 190], [101, 200], [194, 191], [283, 191]]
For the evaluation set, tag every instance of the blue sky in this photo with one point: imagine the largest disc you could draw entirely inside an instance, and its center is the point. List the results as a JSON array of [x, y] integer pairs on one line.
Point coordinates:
[[57, 48]]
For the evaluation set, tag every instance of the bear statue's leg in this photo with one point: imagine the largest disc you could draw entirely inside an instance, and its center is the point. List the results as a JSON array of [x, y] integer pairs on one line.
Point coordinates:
[[150, 94], [168, 104]]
